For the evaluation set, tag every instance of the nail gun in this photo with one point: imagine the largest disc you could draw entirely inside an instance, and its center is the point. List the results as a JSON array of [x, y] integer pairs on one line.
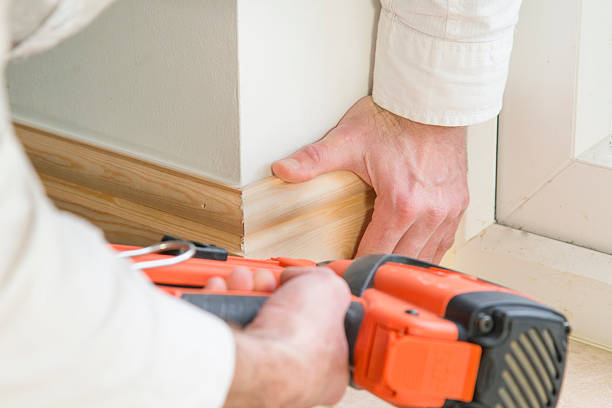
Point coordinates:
[[419, 335]]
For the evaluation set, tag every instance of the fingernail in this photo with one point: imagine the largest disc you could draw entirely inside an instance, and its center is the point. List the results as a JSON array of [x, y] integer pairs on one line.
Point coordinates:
[[291, 164]]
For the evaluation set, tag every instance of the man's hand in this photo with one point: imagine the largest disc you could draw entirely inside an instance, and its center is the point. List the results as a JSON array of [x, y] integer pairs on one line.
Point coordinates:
[[419, 174], [241, 278], [295, 352]]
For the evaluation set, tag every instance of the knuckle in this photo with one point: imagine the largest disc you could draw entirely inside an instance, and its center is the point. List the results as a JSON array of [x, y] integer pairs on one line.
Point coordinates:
[[342, 132], [332, 283], [436, 214], [456, 211], [465, 202], [426, 258], [313, 152], [405, 208], [409, 250], [403, 199], [324, 271], [325, 274], [447, 243]]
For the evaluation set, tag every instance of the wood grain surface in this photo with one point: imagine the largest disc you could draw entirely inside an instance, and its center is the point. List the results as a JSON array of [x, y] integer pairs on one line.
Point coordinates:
[[321, 219], [136, 202], [133, 200], [119, 215]]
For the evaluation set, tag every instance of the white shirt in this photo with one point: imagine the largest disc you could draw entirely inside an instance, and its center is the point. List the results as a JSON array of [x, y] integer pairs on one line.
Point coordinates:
[[444, 62], [78, 327]]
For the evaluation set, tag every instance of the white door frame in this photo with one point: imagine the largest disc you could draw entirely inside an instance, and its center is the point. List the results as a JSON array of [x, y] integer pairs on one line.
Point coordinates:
[[538, 152]]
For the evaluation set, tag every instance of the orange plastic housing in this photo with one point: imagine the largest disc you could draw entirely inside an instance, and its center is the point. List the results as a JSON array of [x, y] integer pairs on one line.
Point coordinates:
[[192, 275], [406, 352]]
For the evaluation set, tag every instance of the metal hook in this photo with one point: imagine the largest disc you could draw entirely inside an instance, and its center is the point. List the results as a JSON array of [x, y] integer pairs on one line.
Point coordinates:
[[188, 248]]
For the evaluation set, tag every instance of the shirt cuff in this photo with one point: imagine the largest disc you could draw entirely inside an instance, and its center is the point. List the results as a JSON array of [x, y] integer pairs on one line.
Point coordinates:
[[437, 81]]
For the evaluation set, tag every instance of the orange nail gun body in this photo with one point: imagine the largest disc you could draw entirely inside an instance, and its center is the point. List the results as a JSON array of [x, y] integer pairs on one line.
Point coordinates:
[[419, 335]]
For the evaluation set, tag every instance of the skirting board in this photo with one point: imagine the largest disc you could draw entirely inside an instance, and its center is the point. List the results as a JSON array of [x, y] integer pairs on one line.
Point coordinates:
[[135, 201], [322, 219]]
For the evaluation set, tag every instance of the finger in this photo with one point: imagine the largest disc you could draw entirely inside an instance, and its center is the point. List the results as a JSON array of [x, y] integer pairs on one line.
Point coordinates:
[[320, 284], [333, 152], [431, 246], [241, 278], [306, 291], [293, 272], [264, 281], [306, 314], [447, 242], [417, 236], [216, 283], [388, 224]]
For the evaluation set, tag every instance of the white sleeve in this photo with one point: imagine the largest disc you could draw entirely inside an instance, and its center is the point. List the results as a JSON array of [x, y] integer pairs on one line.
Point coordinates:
[[78, 327], [36, 25], [444, 62]]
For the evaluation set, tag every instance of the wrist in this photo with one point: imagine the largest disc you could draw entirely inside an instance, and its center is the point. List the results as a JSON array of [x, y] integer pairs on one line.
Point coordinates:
[[451, 134], [263, 373]]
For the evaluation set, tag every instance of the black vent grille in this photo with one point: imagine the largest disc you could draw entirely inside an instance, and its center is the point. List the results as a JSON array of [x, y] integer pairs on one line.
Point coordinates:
[[534, 367], [523, 353]]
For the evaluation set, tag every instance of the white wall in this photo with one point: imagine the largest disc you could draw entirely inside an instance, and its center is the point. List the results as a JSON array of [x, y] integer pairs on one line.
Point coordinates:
[[160, 80], [302, 64], [155, 78]]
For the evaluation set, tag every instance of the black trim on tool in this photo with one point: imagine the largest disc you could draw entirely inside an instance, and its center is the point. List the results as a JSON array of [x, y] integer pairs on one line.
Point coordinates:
[[360, 273], [352, 323], [171, 285], [239, 310], [203, 251], [519, 337], [466, 309]]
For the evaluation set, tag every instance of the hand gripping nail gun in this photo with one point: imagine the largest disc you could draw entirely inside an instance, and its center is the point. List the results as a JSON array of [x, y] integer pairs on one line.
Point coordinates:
[[419, 335]]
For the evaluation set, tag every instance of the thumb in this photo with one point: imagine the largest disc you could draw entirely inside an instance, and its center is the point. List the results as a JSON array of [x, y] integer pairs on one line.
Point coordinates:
[[329, 154]]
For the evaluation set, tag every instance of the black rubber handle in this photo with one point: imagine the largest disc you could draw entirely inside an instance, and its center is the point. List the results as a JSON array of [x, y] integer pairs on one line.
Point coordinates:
[[238, 310], [241, 310]]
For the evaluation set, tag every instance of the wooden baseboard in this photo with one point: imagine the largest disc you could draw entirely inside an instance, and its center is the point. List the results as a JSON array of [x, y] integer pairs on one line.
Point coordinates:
[[134, 202], [321, 219]]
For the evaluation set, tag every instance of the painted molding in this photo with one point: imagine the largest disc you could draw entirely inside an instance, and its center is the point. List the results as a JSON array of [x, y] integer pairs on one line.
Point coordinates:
[[556, 108]]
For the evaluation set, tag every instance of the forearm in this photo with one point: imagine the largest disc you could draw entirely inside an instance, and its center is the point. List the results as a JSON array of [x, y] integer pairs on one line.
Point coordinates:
[[262, 375]]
